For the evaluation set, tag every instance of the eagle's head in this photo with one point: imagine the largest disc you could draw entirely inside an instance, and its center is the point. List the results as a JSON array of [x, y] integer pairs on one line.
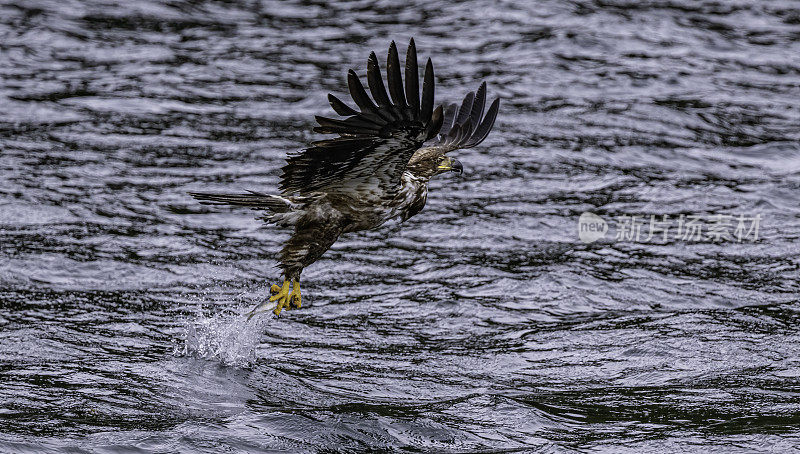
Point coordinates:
[[428, 162]]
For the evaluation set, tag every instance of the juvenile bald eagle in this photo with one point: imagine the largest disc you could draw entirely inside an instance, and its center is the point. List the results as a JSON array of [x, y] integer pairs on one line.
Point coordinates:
[[376, 169]]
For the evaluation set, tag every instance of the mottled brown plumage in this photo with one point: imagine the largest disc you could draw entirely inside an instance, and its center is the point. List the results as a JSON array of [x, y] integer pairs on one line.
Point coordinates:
[[376, 169]]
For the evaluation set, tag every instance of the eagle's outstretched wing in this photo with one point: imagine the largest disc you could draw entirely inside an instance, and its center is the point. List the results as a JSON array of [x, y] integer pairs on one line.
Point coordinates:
[[466, 126], [376, 142]]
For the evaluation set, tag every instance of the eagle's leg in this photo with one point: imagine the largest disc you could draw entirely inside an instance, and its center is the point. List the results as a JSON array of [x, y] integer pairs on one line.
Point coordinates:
[[309, 242]]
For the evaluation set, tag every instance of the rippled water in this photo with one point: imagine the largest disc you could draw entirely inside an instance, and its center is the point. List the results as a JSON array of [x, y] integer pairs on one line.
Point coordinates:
[[482, 323]]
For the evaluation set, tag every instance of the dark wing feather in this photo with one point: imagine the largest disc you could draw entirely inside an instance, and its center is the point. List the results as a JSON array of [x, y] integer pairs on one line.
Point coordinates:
[[362, 100], [426, 109], [376, 142], [412, 80], [467, 126], [449, 118], [395, 79], [350, 126], [466, 108], [375, 81], [485, 125], [477, 106], [435, 124], [341, 108]]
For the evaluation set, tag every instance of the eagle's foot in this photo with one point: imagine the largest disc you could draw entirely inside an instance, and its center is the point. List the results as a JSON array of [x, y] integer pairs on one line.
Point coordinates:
[[284, 297], [281, 296]]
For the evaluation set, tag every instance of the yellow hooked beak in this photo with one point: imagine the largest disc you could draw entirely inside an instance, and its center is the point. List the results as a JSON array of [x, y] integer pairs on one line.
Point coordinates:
[[450, 164]]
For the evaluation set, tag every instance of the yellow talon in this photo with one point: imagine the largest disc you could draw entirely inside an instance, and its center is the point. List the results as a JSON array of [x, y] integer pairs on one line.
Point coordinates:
[[281, 296], [294, 297]]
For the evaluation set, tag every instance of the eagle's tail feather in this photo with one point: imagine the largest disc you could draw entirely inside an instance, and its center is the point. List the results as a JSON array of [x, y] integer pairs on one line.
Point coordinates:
[[255, 200]]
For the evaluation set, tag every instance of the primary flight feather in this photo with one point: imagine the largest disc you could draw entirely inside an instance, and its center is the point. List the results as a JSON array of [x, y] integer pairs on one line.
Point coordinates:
[[376, 169]]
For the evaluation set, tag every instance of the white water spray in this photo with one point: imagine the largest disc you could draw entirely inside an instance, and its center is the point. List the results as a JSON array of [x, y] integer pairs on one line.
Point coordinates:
[[225, 337]]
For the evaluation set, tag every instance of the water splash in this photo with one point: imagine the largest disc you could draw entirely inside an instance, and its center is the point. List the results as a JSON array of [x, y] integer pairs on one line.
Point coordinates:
[[225, 337]]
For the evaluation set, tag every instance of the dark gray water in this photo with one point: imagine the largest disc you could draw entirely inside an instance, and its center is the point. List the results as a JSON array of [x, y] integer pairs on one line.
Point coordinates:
[[481, 324]]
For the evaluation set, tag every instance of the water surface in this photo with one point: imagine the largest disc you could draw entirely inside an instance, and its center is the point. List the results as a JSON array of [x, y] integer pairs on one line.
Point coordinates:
[[481, 324]]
